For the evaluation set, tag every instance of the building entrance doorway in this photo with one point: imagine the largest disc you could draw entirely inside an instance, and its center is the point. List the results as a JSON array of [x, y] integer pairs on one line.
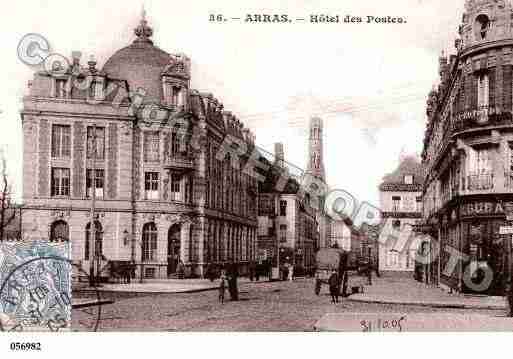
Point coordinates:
[[173, 249]]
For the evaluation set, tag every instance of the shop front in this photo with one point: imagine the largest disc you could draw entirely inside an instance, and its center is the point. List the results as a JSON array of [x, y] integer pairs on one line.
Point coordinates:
[[485, 250]]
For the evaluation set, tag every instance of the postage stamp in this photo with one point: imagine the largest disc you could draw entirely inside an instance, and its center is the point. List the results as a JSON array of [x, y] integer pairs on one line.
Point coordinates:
[[35, 286]]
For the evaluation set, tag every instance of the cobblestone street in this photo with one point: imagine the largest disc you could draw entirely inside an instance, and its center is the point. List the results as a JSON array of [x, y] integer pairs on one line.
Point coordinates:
[[264, 306]]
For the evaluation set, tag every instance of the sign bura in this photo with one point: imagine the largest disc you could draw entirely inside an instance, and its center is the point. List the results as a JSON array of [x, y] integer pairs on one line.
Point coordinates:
[[481, 208]]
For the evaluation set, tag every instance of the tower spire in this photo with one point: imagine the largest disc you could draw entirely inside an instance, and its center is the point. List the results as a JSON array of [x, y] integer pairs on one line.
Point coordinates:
[[315, 150]]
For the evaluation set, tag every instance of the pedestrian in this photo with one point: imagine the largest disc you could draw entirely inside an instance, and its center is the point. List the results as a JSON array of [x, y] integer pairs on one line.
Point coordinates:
[[257, 270], [291, 272], [232, 282], [222, 286], [334, 287], [251, 270], [369, 274]]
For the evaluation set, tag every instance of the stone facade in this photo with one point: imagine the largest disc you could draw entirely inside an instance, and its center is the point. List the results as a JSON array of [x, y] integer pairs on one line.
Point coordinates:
[[152, 150], [468, 151]]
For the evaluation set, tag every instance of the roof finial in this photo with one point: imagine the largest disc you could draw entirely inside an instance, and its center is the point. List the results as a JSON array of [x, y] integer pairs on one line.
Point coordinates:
[[143, 31]]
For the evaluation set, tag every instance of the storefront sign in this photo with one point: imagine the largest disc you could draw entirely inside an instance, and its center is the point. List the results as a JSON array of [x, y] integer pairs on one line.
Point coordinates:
[[481, 208]]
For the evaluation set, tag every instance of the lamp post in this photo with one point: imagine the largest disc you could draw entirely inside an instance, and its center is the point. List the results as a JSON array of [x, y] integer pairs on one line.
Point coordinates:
[[93, 246]]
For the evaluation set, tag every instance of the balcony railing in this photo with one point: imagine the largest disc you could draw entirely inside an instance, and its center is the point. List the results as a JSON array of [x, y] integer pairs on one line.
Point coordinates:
[[480, 182], [481, 116], [178, 162]]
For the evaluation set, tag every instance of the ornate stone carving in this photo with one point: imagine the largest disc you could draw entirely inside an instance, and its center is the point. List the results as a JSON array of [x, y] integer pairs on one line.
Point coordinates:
[[60, 214]]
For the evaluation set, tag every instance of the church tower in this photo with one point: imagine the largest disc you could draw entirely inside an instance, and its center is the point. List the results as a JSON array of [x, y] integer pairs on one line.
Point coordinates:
[[315, 152]]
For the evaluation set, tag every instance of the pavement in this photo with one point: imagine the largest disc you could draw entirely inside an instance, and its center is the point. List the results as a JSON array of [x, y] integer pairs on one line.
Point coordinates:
[[161, 286], [390, 289]]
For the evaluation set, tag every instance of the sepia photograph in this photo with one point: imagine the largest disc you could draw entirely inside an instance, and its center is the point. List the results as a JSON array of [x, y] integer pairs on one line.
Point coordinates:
[[255, 167]]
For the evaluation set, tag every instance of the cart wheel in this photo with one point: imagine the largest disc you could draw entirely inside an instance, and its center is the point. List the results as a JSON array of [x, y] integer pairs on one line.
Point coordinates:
[[317, 287]]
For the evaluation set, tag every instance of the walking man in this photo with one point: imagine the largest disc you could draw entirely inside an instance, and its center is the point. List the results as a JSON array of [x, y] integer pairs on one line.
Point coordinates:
[[222, 286], [334, 287]]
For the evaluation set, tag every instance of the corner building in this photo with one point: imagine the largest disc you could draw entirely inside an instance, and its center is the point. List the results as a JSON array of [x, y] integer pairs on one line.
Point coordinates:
[[468, 152], [162, 193]]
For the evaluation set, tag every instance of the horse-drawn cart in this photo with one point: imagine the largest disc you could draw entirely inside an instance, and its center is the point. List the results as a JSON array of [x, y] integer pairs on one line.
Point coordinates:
[[329, 260]]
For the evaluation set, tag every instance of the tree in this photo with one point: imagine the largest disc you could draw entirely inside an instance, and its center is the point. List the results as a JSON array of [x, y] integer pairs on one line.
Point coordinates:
[[7, 207]]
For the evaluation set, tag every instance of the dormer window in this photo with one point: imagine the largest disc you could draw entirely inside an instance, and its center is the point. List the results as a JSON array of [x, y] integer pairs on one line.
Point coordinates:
[[408, 179], [482, 26], [95, 91], [173, 94], [60, 88], [176, 98]]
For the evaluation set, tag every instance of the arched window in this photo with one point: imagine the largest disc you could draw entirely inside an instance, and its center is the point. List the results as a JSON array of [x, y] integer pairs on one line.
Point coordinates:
[[149, 242], [482, 26], [59, 232], [98, 240]]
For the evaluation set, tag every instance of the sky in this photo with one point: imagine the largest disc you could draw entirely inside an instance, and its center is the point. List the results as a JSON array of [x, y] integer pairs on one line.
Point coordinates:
[[368, 82]]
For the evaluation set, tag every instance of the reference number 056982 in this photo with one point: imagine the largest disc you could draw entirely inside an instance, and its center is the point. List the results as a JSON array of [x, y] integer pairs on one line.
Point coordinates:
[[17, 346]]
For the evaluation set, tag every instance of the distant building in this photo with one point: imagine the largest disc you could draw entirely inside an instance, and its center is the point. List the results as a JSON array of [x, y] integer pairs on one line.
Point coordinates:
[[285, 219], [401, 206], [316, 169]]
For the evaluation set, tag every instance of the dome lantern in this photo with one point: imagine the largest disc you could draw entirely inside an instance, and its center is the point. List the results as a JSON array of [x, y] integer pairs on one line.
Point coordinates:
[[143, 31]]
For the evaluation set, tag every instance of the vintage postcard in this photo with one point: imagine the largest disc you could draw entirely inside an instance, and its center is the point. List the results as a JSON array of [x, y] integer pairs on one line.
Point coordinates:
[[256, 166]]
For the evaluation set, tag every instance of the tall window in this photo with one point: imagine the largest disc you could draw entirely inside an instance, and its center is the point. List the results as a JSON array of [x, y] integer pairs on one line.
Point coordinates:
[[283, 208], [283, 233], [419, 204], [60, 182], [175, 187], [98, 238], [480, 161], [99, 140], [59, 232], [151, 185], [94, 90], [149, 242], [151, 146], [60, 88], [99, 182], [176, 98], [175, 143], [482, 91], [187, 190], [396, 204], [61, 141]]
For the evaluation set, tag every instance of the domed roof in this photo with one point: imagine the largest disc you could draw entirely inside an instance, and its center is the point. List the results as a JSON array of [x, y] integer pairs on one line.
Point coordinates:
[[140, 64]]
